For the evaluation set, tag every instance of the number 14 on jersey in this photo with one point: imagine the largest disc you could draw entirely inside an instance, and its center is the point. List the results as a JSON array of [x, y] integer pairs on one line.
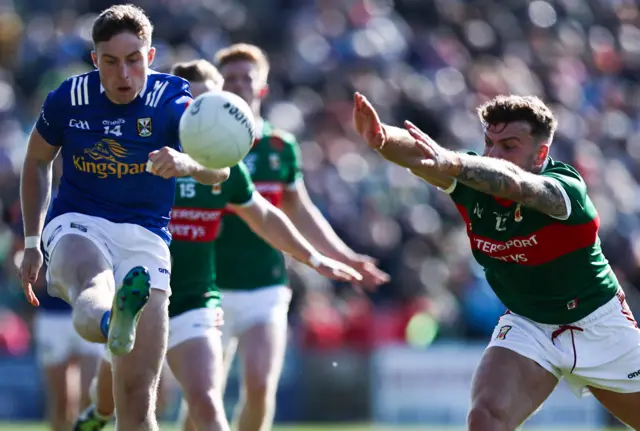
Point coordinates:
[[113, 130]]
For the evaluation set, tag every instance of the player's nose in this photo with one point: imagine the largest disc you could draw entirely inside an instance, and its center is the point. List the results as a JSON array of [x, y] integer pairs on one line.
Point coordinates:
[[123, 72]]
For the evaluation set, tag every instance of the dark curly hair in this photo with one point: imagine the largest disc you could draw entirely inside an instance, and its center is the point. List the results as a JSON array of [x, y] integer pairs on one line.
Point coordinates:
[[530, 109]]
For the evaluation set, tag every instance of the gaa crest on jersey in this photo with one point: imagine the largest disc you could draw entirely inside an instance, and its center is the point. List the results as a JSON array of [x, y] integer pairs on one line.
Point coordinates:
[[502, 333], [144, 127], [274, 161], [216, 189]]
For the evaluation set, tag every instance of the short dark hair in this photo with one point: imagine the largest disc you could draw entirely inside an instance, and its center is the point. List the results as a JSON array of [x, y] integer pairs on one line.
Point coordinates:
[[119, 19], [530, 109], [197, 70]]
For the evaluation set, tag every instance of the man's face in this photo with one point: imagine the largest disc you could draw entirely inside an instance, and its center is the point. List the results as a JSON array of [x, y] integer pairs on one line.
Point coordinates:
[[199, 87], [123, 63], [242, 77], [514, 142]]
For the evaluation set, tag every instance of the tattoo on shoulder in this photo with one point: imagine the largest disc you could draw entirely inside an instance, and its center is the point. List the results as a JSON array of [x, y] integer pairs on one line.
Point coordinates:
[[487, 181], [545, 196]]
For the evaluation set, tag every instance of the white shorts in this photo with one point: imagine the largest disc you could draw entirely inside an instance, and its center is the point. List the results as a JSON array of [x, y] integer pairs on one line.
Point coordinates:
[[200, 322], [56, 340], [602, 350], [124, 245], [244, 309]]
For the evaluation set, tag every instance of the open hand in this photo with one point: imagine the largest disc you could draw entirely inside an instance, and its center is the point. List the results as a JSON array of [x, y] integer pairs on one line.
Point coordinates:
[[29, 269], [435, 156], [372, 276], [335, 270], [367, 122]]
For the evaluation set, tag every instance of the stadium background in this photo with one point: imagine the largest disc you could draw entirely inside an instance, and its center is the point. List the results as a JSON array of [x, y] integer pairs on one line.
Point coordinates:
[[404, 354]]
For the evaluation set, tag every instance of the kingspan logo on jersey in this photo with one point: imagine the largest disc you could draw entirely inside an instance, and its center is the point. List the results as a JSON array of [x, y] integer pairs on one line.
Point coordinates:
[[107, 158]]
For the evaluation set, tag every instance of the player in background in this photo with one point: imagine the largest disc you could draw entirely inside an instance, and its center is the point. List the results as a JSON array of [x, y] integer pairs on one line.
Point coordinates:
[[108, 228], [534, 229], [67, 360], [194, 351], [256, 298]]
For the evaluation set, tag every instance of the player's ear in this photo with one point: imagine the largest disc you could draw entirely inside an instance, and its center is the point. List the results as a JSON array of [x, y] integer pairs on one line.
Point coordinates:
[[94, 58], [543, 152], [151, 55]]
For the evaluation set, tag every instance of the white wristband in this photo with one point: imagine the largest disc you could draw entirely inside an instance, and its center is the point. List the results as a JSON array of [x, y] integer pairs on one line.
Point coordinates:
[[32, 241], [314, 260]]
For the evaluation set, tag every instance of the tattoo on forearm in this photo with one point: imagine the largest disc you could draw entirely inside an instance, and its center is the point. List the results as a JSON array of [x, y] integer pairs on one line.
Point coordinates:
[[506, 182]]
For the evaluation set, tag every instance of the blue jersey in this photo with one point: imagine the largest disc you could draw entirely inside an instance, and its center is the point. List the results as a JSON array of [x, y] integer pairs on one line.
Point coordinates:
[[105, 148]]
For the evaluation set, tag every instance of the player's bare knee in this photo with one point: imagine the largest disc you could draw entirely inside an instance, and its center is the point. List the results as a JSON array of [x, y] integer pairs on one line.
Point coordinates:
[[135, 420], [205, 406], [84, 324], [258, 387], [140, 399], [488, 416]]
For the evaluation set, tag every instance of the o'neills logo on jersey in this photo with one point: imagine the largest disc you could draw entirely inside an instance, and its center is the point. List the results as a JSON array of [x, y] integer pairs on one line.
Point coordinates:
[[195, 224], [107, 158]]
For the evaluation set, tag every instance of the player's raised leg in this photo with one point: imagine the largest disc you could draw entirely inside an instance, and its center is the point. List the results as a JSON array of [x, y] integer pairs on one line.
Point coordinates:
[[81, 274], [503, 404]]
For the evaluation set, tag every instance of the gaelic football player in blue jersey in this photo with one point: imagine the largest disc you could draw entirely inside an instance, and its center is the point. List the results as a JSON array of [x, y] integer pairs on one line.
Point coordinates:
[[106, 238]]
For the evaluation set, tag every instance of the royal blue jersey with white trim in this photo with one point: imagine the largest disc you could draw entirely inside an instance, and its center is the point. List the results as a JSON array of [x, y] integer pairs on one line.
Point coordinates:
[[105, 148]]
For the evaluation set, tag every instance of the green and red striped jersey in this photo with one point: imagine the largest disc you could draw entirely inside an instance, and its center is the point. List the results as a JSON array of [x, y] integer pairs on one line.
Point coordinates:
[[195, 221], [244, 260], [549, 270]]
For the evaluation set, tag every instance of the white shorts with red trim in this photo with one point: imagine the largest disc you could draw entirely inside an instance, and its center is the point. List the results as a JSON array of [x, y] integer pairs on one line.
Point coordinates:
[[601, 350]]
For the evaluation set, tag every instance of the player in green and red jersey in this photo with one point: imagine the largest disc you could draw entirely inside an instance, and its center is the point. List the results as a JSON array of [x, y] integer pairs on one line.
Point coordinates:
[[194, 350], [256, 298], [534, 229]]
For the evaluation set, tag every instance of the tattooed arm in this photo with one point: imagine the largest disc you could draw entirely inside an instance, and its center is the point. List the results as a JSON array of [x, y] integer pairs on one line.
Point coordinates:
[[400, 148], [505, 180]]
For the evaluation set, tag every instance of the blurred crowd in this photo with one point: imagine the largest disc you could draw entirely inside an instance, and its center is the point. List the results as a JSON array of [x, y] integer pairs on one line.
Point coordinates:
[[431, 62]]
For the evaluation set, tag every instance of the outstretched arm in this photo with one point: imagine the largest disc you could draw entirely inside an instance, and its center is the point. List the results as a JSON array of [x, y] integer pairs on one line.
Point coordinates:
[[393, 143], [274, 227], [297, 205], [493, 176]]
